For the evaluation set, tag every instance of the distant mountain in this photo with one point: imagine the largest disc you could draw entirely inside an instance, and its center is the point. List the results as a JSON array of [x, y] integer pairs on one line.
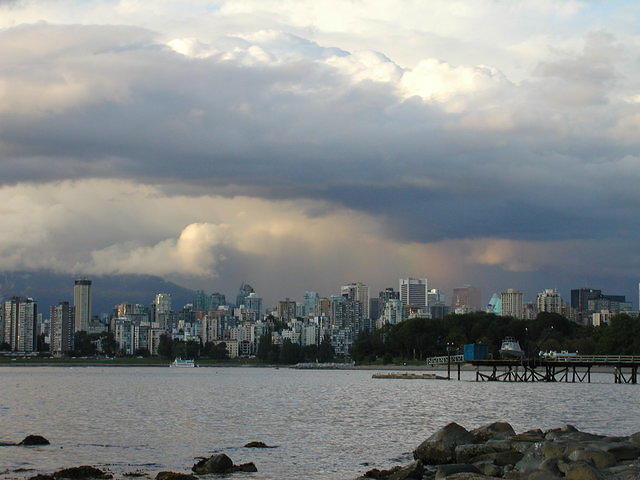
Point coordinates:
[[48, 288]]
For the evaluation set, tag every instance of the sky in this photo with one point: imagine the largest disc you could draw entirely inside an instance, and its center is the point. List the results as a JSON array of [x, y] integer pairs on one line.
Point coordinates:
[[302, 144]]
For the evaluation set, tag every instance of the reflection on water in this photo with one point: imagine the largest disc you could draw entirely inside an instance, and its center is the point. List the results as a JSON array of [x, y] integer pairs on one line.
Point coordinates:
[[327, 424]]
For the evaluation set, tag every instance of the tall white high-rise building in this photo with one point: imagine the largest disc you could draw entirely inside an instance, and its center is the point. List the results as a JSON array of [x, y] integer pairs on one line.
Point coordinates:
[[162, 303], [511, 303], [549, 300], [360, 292], [82, 304], [413, 292], [19, 327]]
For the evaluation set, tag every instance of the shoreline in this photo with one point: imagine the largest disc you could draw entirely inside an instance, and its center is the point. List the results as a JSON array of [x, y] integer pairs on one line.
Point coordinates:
[[490, 452], [334, 367]]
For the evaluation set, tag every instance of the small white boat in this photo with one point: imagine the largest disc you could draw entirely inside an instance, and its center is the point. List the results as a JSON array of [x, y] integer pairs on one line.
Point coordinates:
[[511, 349], [178, 362]]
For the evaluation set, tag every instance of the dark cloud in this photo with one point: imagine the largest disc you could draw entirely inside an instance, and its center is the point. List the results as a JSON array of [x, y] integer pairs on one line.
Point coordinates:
[[528, 161]]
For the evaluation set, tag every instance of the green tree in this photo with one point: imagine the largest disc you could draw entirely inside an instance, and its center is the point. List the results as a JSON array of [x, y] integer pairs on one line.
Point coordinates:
[[165, 347], [325, 350], [264, 346], [83, 344]]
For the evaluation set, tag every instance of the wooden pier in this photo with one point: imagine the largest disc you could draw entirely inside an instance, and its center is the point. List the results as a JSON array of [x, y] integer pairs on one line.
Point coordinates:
[[569, 369]]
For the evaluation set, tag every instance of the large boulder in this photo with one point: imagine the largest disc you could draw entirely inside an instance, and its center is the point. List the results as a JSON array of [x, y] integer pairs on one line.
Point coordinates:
[[245, 467], [500, 458], [441, 446], [598, 458], [582, 471], [413, 471], [470, 476], [493, 431], [623, 451], [30, 440], [219, 463], [444, 471], [464, 453], [635, 438], [81, 473]]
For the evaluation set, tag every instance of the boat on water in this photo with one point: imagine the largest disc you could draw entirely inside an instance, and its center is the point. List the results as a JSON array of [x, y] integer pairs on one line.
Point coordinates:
[[179, 362], [511, 349]]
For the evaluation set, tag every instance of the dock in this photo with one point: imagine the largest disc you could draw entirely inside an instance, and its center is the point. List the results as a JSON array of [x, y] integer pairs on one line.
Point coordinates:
[[566, 368]]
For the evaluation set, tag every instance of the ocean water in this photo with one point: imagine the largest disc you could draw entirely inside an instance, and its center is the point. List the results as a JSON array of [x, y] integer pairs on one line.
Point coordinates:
[[325, 424]]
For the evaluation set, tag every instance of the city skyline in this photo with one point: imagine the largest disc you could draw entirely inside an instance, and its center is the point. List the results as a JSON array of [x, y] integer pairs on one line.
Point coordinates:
[[373, 142]]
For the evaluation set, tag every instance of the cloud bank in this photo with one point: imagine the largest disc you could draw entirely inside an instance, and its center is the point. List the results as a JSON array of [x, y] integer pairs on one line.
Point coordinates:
[[318, 144]]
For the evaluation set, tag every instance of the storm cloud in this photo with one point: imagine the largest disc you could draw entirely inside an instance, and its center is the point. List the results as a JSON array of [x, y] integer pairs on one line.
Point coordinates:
[[463, 154]]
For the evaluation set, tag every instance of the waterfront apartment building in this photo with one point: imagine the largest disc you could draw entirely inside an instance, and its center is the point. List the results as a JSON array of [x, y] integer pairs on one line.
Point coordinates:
[[19, 324], [413, 292], [511, 300], [360, 293], [549, 300], [465, 299], [82, 304], [62, 328]]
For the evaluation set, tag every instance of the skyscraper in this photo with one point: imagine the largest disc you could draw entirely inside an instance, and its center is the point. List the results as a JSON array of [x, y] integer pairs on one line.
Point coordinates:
[[162, 303], [413, 292], [511, 303], [82, 304], [20, 323], [254, 303], [310, 299], [243, 292], [359, 292], [466, 299], [549, 300], [200, 301], [61, 333]]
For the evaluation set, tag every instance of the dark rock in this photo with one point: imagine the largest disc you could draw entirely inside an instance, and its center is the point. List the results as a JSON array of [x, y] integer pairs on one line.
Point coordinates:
[[464, 453], [493, 431], [219, 463], [489, 468], [529, 436], [470, 476], [175, 476], [257, 445], [445, 470], [500, 458], [30, 440], [635, 438], [598, 458], [582, 471], [440, 447], [413, 471], [623, 451], [244, 467], [41, 476], [542, 475], [81, 473]]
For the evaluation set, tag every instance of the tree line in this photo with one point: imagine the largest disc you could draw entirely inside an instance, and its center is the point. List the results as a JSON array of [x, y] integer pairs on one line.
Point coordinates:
[[420, 338]]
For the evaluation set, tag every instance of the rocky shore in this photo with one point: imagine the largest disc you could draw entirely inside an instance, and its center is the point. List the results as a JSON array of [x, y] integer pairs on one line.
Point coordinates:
[[491, 452], [496, 451]]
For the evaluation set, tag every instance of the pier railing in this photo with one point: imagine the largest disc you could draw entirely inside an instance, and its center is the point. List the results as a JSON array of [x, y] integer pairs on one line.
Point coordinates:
[[594, 358]]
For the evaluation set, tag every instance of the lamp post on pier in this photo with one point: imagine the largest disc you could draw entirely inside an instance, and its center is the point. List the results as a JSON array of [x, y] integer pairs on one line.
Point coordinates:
[[449, 347]]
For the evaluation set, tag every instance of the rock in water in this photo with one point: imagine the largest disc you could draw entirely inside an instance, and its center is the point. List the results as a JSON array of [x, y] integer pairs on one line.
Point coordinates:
[[440, 447], [219, 463], [174, 476], [81, 473], [257, 445], [245, 467], [30, 440], [445, 471]]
